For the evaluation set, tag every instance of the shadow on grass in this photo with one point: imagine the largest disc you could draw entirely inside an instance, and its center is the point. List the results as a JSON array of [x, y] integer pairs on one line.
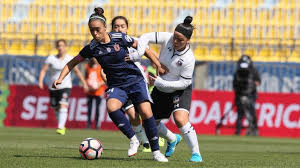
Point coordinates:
[[106, 149], [47, 156], [79, 158]]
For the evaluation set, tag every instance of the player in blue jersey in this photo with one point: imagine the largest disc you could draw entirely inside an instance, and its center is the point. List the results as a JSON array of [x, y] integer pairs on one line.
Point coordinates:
[[120, 24], [124, 79]]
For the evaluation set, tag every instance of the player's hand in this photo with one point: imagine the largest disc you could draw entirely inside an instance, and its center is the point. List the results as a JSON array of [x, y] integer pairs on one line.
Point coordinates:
[[85, 88], [55, 83], [127, 58], [152, 78], [133, 56], [41, 85], [162, 70]]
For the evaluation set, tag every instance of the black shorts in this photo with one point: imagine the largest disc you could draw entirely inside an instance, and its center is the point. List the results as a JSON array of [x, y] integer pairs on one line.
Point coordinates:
[[164, 104], [60, 96], [127, 105]]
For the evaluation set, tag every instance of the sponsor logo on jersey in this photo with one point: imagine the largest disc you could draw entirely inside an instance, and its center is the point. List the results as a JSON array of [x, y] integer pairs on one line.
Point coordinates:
[[117, 47], [100, 52]]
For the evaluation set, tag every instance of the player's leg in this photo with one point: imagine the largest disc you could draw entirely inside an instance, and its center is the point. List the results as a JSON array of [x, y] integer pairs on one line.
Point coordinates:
[[117, 97], [181, 105], [188, 132], [172, 139], [140, 97], [63, 110], [54, 102], [98, 102], [162, 109], [89, 110], [151, 130], [136, 124]]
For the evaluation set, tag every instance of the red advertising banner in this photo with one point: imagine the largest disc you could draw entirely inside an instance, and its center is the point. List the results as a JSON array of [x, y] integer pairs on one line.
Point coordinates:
[[278, 115], [29, 106]]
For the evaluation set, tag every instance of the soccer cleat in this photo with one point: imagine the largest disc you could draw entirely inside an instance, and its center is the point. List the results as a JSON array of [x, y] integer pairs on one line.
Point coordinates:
[[161, 142], [61, 131], [146, 150], [171, 146], [196, 158], [133, 147], [146, 147], [157, 156]]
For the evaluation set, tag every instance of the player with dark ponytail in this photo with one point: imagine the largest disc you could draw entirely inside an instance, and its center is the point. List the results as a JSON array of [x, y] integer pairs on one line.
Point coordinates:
[[124, 79], [173, 90]]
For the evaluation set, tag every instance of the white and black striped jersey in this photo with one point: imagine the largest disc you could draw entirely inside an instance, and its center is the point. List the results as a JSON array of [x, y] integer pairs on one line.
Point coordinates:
[[180, 63]]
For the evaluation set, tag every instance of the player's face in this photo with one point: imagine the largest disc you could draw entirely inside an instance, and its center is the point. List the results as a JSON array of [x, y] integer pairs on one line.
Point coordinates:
[[61, 48], [98, 30], [179, 41], [120, 26]]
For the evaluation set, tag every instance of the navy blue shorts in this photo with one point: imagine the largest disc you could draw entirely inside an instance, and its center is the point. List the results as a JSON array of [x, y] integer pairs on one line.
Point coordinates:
[[137, 93]]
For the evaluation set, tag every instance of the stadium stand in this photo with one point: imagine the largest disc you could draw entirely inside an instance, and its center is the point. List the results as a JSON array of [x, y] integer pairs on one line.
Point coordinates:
[[268, 30]]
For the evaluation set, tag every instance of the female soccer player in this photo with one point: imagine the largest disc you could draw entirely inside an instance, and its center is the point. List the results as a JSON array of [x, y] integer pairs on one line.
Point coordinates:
[[123, 78], [173, 90], [59, 97], [120, 24]]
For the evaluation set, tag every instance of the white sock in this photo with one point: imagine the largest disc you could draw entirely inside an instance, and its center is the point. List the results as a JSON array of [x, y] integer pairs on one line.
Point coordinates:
[[155, 152], [140, 133], [62, 117], [164, 132], [134, 138], [190, 137]]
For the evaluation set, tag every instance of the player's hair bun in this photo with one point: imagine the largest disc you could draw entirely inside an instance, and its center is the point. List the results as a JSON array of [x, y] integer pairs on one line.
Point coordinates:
[[188, 20], [99, 11]]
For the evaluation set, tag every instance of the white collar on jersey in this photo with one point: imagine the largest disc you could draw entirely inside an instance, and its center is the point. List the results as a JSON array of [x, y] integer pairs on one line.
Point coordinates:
[[180, 53]]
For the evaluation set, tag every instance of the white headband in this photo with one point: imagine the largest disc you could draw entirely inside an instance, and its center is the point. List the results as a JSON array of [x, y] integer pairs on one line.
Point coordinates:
[[98, 17]]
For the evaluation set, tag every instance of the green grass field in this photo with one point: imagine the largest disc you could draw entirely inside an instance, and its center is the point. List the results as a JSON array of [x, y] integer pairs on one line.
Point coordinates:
[[32, 147]]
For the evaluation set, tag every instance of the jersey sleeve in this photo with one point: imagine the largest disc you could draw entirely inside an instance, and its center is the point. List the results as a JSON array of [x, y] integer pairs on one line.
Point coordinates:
[[127, 40], [153, 37], [86, 52], [48, 60]]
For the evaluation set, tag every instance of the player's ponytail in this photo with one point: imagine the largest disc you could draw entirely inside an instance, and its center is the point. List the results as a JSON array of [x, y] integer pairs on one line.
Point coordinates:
[[98, 14], [186, 28]]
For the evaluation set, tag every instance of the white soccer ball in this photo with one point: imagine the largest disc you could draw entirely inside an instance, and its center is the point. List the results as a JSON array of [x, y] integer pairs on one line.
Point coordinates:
[[91, 148]]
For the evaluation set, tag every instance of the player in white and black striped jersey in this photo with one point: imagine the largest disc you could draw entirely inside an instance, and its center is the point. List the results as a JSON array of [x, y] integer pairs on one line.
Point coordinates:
[[172, 91]]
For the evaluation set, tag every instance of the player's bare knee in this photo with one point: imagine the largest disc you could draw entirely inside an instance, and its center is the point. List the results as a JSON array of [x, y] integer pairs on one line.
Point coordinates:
[[113, 105], [180, 118], [145, 110]]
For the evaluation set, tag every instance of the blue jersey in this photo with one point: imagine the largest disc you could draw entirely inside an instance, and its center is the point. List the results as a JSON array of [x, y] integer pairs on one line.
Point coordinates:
[[111, 57]]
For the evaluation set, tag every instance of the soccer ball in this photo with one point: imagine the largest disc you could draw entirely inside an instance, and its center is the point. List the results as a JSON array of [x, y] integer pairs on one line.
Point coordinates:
[[91, 148]]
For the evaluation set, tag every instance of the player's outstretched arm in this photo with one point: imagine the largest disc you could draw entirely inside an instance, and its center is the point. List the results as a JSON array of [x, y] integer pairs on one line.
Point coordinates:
[[153, 56], [66, 70]]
